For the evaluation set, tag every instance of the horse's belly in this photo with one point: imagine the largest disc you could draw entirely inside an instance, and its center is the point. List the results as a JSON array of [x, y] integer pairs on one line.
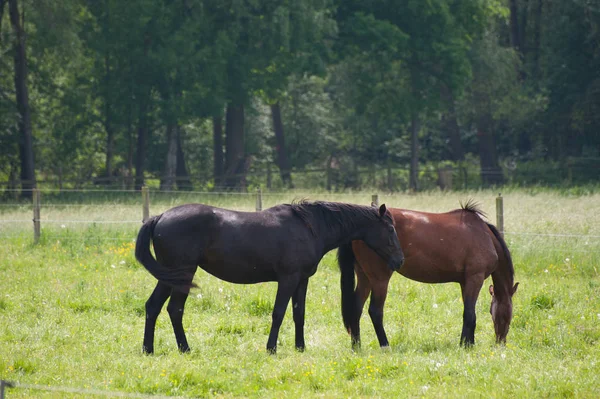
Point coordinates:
[[240, 274], [425, 270]]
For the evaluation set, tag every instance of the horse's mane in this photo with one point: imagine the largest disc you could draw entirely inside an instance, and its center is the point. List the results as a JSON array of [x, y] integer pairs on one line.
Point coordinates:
[[474, 207], [331, 213]]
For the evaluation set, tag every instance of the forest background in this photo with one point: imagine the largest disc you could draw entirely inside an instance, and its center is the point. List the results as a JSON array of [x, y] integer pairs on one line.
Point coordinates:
[[213, 94]]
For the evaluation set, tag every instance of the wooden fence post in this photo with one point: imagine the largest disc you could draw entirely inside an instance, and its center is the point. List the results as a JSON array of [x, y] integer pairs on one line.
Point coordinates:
[[500, 214], [36, 215], [146, 204], [375, 200], [258, 200]]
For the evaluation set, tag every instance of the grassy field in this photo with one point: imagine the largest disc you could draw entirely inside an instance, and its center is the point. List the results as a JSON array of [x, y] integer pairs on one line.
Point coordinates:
[[72, 311]]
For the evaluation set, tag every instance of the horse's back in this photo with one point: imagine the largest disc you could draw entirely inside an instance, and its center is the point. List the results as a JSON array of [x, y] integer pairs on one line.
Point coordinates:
[[444, 247], [438, 247], [240, 247]]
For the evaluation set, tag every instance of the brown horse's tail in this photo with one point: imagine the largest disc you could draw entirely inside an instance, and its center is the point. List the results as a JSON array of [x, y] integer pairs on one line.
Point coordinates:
[[504, 248], [175, 278], [346, 261]]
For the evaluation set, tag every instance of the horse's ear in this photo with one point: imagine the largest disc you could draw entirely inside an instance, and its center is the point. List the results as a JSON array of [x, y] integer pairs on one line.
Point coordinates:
[[515, 288], [491, 290], [382, 210]]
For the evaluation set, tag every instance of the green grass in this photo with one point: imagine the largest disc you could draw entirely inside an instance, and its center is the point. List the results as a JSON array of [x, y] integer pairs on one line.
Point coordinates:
[[72, 313]]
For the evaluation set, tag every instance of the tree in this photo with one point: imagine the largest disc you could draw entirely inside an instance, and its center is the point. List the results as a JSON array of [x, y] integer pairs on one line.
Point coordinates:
[[28, 181], [395, 43]]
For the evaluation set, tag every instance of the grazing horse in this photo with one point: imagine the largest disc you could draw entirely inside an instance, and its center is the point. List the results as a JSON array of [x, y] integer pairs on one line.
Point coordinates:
[[458, 246], [283, 244]]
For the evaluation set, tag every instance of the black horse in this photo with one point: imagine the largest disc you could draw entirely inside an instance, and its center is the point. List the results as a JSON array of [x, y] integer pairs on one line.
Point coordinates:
[[284, 244]]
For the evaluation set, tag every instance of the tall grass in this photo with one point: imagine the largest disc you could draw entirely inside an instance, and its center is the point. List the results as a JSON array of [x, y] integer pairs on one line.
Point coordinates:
[[72, 312]]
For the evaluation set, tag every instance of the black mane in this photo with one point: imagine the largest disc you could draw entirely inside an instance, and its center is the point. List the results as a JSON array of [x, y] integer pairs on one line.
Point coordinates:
[[332, 213]]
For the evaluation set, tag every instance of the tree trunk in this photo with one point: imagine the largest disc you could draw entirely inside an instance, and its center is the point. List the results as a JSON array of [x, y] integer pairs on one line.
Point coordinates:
[[537, 23], [491, 173], [183, 177], [129, 180], [218, 150], [235, 165], [170, 172], [107, 96], [515, 39], [450, 124], [282, 156], [523, 27], [415, 126], [26, 138], [2, 3], [140, 160]]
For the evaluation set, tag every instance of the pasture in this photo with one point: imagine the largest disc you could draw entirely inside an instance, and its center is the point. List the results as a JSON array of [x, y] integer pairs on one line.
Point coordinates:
[[72, 311]]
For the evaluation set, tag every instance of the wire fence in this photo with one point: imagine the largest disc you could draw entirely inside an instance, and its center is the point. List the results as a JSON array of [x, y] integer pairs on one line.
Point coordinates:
[[139, 201]]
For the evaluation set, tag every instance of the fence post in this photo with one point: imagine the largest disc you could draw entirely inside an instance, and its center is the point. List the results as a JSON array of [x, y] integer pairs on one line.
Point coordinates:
[[500, 214], [375, 200], [258, 199], [146, 204], [36, 215], [4, 384]]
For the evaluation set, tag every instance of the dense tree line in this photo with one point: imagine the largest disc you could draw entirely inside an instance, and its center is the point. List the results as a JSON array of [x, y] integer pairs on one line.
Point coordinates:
[[202, 92]]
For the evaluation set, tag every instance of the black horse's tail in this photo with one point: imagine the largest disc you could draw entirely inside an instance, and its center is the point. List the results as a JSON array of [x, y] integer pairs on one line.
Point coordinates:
[[346, 261], [509, 262], [177, 278]]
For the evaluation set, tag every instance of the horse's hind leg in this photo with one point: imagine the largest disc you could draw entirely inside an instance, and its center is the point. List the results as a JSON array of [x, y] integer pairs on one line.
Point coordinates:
[[378, 296], [153, 306], [363, 289], [470, 292], [175, 309], [298, 308]]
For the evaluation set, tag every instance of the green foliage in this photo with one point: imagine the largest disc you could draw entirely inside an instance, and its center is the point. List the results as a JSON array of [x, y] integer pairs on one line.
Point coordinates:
[[350, 77]]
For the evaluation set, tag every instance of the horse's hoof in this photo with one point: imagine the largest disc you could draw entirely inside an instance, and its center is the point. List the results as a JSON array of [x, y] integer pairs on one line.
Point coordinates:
[[300, 348], [272, 351], [147, 351]]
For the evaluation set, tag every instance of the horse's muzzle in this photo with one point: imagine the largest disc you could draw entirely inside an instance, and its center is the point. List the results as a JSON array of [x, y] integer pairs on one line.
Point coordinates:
[[396, 262]]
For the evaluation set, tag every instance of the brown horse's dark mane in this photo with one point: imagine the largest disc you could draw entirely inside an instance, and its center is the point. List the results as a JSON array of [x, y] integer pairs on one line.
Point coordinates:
[[474, 207], [331, 213]]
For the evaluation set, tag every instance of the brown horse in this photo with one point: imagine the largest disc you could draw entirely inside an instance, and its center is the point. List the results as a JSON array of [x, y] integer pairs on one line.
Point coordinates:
[[457, 246]]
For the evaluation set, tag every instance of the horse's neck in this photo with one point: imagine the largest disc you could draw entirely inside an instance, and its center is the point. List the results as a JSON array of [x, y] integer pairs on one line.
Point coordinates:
[[503, 285], [339, 233]]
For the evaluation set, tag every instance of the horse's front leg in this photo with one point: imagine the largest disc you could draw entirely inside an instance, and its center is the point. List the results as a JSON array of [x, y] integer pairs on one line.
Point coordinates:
[[378, 296], [285, 288], [298, 307], [470, 292]]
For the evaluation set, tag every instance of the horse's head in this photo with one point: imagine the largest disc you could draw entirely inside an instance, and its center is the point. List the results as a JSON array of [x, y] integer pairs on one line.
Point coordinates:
[[381, 237], [501, 311]]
